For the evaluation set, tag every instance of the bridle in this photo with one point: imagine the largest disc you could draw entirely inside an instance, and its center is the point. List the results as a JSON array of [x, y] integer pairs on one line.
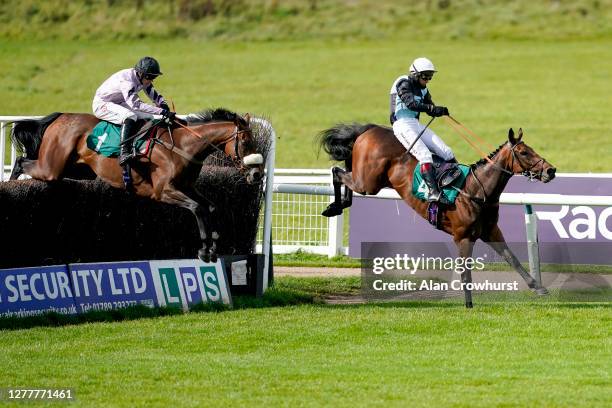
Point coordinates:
[[525, 171], [236, 160]]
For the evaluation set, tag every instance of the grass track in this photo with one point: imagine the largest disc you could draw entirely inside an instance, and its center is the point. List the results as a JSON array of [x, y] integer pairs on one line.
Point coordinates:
[[416, 354], [557, 91]]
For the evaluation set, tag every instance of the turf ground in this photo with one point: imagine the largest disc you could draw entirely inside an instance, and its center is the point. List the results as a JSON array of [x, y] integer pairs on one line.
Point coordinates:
[[403, 354], [409, 354]]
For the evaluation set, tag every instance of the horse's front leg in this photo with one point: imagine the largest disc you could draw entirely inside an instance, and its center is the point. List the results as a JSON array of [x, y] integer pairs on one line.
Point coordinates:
[[195, 194], [214, 235], [466, 246], [172, 196], [495, 239]]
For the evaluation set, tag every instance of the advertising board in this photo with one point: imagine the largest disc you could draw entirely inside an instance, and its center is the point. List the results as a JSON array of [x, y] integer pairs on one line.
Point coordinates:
[[79, 288]]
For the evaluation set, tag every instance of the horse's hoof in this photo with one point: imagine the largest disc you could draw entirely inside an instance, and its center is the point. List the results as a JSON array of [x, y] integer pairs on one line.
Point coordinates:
[[541, 291], [469, 305], [332, 210], [203, 255]]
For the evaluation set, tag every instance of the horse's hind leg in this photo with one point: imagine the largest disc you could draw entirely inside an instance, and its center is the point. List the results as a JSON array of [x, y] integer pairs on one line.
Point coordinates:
[[336, 207], [498, 243], [48, 167], [17, 168], [339, 177]]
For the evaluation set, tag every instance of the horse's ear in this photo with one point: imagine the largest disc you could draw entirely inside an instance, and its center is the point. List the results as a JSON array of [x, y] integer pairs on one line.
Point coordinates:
[[247, 118], [520, 135], [511, 136]]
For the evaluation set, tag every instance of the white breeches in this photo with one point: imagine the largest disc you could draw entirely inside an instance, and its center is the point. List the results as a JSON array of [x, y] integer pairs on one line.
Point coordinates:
[[406, 130], [115, 113]]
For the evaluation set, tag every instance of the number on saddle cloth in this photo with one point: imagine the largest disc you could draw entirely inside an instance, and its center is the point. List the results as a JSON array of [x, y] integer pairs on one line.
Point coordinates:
[[450, 178], [105, 137]]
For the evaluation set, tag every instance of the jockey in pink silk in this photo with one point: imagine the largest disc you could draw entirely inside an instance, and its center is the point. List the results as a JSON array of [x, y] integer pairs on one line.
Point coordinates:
[[117, 101]]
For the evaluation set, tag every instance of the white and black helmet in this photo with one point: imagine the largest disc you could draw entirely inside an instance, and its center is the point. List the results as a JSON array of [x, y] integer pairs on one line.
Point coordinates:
[[422, 64]]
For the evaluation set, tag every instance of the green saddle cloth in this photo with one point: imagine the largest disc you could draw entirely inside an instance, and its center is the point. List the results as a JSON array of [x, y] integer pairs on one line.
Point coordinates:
[[105, 137], [421, 191]]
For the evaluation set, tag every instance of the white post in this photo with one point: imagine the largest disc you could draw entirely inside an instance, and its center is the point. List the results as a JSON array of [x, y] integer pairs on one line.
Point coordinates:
[[533, 248], [267, 232], [2, 148], [13, 155], [335, 229]]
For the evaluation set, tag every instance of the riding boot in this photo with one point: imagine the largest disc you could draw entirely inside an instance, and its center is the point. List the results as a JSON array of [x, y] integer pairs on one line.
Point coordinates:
[[427, 171], [126, 145], [453, 160]]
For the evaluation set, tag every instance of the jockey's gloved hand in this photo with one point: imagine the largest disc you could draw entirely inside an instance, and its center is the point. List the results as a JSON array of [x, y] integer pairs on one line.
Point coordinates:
[[439, 111], [168, 114], [164, 106]]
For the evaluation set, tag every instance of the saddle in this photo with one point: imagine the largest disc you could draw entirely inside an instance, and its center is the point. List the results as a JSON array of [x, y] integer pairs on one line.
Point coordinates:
[[105, 138], [450, 178], [446, 173]]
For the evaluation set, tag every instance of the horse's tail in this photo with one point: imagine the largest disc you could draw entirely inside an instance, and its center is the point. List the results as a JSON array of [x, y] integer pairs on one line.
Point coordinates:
[[27, 134], [338, 141]]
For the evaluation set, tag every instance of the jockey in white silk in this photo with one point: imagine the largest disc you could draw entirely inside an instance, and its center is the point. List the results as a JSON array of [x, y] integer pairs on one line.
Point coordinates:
[[409, 97]]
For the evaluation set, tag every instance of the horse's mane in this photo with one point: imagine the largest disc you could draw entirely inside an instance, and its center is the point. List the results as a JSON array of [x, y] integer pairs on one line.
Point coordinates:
[[490, 156], [218, 115]]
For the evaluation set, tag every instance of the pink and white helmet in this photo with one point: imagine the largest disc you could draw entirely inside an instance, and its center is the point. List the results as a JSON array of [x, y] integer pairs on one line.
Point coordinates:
[[422, 64]]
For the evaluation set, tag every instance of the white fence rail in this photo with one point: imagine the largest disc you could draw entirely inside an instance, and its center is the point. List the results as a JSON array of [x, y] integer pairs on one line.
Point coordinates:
[[296, 221]]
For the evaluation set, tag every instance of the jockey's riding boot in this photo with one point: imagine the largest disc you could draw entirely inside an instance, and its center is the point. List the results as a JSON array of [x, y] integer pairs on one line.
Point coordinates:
[[126, 147], [453, 160], [427, 171]]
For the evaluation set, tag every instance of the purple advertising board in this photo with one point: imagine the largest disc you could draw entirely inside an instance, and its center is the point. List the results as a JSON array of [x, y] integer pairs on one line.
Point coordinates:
[[80, 288], [103, 286], [31, 291], [376, 220]]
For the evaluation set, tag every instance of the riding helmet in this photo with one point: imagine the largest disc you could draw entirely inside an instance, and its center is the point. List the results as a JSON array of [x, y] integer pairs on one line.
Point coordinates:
[[422, 64], [148, 66]]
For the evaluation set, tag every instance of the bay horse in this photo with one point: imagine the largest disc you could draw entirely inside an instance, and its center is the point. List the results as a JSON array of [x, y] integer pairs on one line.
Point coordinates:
[[56, 145], [375, 159]]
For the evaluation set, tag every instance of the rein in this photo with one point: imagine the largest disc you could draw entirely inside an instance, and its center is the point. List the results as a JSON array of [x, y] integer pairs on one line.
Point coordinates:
[[457, 127], [527, 172], [173, 148]]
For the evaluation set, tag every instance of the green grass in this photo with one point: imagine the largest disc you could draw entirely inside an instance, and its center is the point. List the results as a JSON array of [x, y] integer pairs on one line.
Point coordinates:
[[305, 87], [398, 354], [271, 20], [320, 287], [301, 258], [541, 66]]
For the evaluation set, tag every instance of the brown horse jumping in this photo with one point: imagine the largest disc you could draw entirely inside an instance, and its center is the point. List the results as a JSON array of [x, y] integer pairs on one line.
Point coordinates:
[[56, 144], [376, 160]]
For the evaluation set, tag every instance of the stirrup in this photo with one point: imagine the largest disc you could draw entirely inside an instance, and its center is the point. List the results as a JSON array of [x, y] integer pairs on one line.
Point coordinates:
[[434, 197]]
